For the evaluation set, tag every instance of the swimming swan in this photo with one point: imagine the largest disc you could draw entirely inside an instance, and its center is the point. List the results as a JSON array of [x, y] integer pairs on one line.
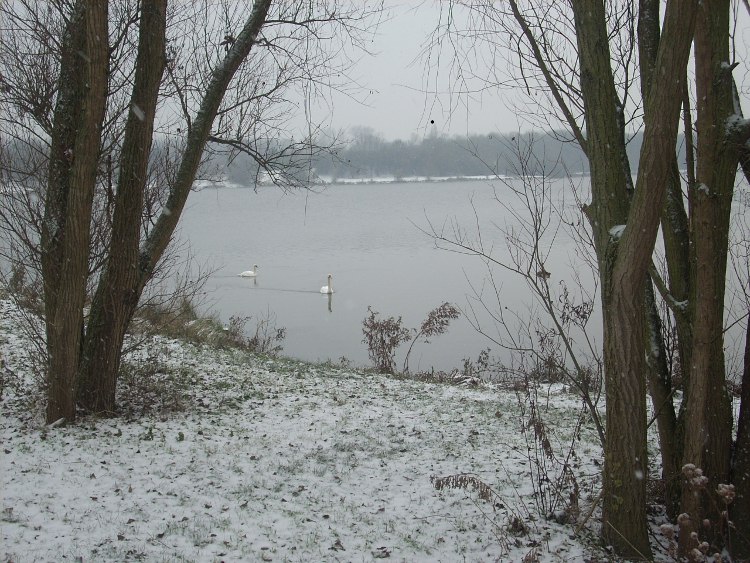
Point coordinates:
[[249, 273], [328, 288]]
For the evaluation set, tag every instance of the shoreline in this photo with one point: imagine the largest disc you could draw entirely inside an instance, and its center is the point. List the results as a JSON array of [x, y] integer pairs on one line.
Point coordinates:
[[369, 181]]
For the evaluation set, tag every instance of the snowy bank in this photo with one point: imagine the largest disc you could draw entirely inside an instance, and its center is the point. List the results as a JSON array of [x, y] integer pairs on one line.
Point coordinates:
[[236, 457]]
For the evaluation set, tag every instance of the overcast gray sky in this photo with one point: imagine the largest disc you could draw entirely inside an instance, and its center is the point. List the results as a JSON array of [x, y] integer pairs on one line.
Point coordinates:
[[397, 105]]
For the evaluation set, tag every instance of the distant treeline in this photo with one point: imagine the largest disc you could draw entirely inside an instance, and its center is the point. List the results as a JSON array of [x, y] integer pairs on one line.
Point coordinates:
[[368, 155]]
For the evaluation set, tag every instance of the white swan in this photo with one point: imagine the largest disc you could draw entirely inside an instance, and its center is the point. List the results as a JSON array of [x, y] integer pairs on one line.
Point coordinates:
[[328, 288], [249, 273]]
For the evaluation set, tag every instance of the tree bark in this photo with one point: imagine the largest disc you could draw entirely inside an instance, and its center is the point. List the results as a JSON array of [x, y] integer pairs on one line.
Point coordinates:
[[634, 253], [623, 263], [74, 156], [624, 455], [116, 297], [675, 233], [661, 391], [708, 420], [117, 303]]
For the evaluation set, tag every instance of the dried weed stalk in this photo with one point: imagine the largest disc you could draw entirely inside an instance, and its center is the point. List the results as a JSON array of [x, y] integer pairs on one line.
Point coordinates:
[[464, 481], [436, 323], [384, 336], [556, 490]]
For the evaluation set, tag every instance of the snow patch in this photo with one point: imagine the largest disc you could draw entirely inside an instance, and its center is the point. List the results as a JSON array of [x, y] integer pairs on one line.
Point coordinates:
[[616, 231], [735, 123], [702, 188], [138, 112], [273, 459]]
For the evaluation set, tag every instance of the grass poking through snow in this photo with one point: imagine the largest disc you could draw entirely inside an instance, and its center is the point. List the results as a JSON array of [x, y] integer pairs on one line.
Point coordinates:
[[220, 455]]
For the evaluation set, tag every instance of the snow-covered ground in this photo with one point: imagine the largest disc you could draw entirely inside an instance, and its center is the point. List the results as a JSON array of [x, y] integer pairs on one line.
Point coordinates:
[[224, 456]]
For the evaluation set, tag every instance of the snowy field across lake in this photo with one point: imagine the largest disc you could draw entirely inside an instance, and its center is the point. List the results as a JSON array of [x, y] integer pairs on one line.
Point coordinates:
[[223, 456]]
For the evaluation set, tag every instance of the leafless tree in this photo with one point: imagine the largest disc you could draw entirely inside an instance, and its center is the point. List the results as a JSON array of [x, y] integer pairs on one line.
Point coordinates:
[[604, 70], [553, 336], [108, 114]]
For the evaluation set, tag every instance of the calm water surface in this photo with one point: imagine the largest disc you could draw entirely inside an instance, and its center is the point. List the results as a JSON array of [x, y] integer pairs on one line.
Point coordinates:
[[369, 238]]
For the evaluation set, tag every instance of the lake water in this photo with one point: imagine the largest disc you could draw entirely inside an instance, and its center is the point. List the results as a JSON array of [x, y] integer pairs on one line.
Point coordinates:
[[369, 238]]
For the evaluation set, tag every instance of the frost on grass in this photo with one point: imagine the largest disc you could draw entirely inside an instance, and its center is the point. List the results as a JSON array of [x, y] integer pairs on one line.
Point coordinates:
[[271, 459]]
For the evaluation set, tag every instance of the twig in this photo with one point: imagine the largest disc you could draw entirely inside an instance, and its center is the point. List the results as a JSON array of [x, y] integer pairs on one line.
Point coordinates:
[[643, 557], [590, 512]]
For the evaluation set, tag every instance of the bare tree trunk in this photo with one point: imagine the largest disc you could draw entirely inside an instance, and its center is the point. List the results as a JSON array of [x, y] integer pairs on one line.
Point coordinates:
[[624, 457], [159, 238], [116, 296], [676, 235], [623, 264], [73, 163], [660, 389], [708, 422], [674, 227]]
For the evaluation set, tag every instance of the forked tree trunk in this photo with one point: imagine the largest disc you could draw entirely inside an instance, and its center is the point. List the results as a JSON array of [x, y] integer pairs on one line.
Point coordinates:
[[663, 69], [623, 264], [116, 296], [121, 293], [74, 156]]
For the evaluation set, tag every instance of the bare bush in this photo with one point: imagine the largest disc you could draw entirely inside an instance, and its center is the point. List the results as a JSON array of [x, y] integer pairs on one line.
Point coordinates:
[[183, 321], [715, 524], [382, 337], [436, 323], [551, 462], [464, 481], [550, 341], [267, 338], [147, 385]]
